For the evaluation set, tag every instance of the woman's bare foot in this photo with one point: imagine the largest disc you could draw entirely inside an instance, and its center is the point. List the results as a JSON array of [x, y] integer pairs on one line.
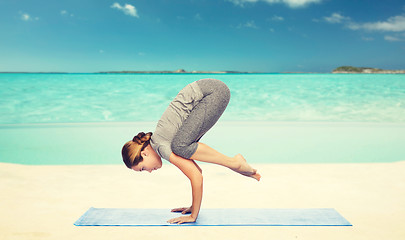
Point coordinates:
[[244, 168]]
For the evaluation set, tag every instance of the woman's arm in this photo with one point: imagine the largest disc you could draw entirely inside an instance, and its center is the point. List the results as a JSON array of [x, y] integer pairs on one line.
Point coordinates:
[[193, 172]]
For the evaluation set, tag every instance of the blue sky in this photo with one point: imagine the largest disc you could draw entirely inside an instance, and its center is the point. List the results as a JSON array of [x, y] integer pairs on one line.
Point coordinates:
[[243, 35]]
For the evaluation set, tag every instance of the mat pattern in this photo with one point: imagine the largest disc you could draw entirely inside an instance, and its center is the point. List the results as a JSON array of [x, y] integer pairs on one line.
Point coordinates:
[[215, 217]]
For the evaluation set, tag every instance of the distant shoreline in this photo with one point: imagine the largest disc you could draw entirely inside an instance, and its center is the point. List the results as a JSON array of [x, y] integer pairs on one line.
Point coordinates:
[[179, 71], [143, 72], [164, 72], [339, 70], [102, 73]]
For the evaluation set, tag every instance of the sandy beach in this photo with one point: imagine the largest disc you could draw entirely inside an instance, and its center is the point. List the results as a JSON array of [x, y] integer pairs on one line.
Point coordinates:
[[43, 202]]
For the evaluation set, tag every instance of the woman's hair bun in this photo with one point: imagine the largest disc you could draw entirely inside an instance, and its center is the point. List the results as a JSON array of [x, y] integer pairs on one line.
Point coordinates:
[[142, 137]]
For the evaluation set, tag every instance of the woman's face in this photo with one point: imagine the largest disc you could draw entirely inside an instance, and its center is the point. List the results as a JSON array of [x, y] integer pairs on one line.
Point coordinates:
[[151, 161]]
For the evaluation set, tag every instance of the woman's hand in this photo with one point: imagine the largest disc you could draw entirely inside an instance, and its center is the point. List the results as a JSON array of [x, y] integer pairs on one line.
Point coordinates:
[[183, 210], [182, 219]]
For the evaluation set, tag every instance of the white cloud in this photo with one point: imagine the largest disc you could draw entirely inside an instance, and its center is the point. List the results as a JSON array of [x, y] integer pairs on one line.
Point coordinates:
[[242, 2], [392, 39], [128, 9], [290, 3], [392, 24], [248, 24], [27, 17], [336, 18], [66, 13], [300, 3], [277, 18]]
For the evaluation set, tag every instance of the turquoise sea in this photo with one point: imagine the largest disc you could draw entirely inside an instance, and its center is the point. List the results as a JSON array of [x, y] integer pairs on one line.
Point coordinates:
[[288, 118], [76, 98]]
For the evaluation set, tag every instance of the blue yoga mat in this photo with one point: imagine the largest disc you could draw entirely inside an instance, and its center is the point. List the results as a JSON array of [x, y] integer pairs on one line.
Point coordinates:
[[214, 217]]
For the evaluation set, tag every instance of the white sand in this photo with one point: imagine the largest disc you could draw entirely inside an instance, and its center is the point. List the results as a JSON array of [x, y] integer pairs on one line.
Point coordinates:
[[43, 202]]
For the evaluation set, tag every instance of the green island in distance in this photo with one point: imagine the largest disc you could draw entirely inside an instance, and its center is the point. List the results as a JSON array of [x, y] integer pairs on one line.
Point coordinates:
[[350, 69]]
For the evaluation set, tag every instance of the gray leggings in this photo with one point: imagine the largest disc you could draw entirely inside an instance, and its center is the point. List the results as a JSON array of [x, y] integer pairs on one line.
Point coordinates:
[[202, 117]]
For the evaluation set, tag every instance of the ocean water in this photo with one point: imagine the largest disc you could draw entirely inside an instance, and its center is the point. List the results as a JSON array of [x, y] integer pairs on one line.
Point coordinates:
[[77, 98], [271, 118]]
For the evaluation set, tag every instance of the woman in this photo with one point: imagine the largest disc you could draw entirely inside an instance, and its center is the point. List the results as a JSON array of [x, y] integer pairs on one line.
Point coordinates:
[[194, 110]]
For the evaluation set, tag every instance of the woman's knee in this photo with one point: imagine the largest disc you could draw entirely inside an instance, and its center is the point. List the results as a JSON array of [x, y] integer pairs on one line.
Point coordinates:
[[222, 91], [216, 87]]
